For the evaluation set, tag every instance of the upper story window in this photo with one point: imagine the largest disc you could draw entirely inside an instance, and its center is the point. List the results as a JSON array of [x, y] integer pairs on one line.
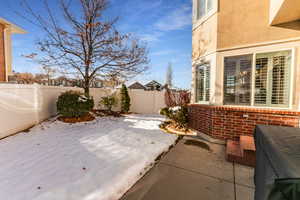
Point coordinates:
[[203, 7]]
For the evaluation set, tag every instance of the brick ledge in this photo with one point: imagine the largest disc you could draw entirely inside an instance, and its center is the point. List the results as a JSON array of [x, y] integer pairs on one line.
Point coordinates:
[[248, 109]]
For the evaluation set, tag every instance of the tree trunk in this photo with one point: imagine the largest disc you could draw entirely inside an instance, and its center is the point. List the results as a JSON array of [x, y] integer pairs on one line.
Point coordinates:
[[86, 88]]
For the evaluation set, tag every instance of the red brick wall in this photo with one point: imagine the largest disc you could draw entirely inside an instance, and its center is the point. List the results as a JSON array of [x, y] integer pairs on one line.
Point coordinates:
[[2, 55], [224, 122]]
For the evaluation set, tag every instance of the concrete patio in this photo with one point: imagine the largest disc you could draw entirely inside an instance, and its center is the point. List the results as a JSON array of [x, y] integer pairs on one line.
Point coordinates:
[[192, 170]]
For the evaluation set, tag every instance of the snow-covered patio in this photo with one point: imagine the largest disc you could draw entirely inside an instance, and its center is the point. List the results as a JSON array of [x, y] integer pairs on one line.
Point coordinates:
[[97, 160]]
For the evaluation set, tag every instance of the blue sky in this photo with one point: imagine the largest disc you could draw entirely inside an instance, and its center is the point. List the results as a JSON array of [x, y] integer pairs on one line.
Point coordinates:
[[164, 24]]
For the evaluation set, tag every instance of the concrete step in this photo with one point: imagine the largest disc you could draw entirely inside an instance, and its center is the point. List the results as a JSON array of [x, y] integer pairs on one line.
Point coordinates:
[[242, 152]]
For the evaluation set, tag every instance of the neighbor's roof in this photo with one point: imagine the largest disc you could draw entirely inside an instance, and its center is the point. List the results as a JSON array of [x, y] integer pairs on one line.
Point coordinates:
[[153, 83], [137, 85], [14, 28]]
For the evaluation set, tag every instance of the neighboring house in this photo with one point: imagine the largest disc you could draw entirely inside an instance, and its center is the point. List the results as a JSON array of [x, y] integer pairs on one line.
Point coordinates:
[[44, 79], [97, 83], [246, 66], [137, 86], [6, 30], [154, 85]]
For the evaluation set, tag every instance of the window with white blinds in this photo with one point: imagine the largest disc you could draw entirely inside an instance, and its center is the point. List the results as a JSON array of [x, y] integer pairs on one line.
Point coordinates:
[[237, 80], [272, 79], [203, 83]]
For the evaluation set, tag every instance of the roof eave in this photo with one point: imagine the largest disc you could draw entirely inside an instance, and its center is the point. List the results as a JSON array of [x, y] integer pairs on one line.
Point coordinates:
[[14, 28]]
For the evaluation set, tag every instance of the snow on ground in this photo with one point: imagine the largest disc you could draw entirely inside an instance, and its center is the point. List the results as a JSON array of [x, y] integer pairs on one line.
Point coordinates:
[[98, 160]]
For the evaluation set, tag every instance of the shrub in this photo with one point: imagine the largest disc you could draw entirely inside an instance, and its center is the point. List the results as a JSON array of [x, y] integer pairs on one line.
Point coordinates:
[[74, 104], [125, 99], [108, 102], [165, 111], [178, 114]]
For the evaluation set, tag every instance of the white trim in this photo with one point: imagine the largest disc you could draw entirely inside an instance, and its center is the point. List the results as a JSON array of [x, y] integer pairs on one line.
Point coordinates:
[[15, 28], [253, 79], [202, 58], [259, 44], [292, 77]]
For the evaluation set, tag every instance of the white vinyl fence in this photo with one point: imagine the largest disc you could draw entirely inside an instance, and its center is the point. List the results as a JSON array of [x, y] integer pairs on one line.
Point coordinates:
[[146, 102], [23, 106]]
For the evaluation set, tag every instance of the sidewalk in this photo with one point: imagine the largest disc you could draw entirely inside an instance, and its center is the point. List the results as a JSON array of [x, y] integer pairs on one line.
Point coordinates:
[[195, 170]]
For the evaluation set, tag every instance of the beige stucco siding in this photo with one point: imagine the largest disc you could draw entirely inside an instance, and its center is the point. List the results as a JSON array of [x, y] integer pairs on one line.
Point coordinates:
[[246, 22], [282, 11], [205, 37]]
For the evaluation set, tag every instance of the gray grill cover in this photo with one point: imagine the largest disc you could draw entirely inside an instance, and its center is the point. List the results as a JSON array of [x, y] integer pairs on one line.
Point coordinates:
[[277, 156]]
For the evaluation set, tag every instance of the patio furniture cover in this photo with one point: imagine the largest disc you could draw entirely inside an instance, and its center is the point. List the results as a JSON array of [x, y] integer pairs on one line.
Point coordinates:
[[277, 163]]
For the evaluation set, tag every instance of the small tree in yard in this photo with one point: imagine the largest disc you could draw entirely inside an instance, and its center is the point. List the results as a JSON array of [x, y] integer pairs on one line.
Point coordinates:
[[109, 102], [169, 76], [82, 42], [125, 99]]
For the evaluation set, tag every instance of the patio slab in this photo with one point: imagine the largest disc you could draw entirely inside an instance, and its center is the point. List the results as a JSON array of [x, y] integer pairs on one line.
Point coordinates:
[[169, 183], [244, 175], [193, 154], [194, 169], [244, 193]]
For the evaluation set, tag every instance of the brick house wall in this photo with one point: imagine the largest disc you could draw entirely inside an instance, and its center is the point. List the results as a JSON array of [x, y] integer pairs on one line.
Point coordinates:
[[225, 122], [2, 55]]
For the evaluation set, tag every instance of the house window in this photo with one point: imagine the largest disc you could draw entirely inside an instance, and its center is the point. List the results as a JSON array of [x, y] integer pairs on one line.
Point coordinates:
[[203, 7], [203, 83], [271, 81], [237, 80], [272, 77]]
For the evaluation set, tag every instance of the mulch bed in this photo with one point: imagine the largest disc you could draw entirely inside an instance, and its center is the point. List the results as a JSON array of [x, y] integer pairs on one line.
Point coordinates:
[[86, 118], [106, 113], [170, 127]]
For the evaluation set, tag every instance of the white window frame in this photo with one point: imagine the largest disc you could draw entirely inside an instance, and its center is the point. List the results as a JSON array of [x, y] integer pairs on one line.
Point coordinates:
[[204, 64], [291, 83], [198, 21]]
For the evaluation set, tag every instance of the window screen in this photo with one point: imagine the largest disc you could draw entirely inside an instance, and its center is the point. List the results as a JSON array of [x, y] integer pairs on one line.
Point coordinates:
[[237, 80], [272, 78], [203, 83]]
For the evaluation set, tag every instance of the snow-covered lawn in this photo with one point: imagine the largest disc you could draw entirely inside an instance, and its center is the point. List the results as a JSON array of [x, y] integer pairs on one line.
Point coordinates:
[[98, 160]]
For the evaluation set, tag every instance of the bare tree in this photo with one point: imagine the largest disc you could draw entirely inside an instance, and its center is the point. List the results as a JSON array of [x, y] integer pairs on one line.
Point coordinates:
[[48, 72], [87, 44], [169, 76], [177, 97]]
